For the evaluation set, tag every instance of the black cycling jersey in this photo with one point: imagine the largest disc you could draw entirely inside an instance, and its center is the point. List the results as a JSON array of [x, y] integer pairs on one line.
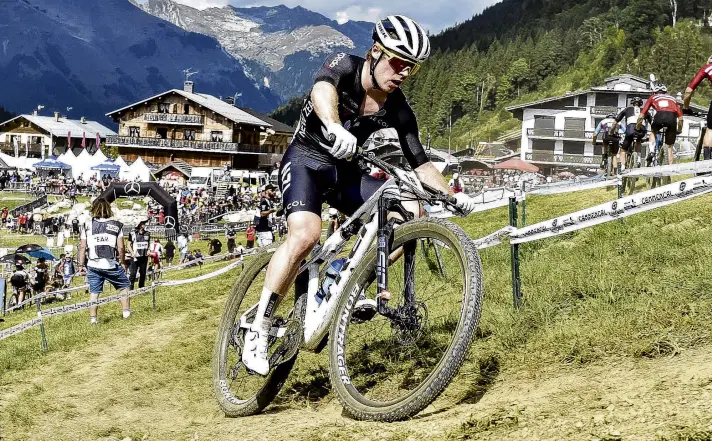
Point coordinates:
[[630, 116], [343, 71]]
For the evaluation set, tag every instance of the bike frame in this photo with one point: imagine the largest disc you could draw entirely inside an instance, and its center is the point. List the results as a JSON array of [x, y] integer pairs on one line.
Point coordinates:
[[317, 318]]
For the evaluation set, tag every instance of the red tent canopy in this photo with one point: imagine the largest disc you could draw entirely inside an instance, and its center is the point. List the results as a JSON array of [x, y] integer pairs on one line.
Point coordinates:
[[517, 164]]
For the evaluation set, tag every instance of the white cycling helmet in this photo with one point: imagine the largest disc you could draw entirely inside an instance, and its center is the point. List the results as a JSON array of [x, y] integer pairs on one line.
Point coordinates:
[[660, 88], [403, 36]]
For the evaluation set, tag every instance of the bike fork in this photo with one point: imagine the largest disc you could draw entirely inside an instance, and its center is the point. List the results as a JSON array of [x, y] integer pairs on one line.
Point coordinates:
[[385, 244]]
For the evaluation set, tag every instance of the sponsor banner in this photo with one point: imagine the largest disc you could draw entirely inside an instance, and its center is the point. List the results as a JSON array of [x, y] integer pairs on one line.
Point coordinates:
[[647, 200], [37, 203], [573, 186], [66, 309], [685, 168], [22, 327], [493, 239], [45, 295]]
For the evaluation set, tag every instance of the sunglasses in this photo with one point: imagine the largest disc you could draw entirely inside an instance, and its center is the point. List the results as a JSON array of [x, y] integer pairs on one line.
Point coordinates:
[[398, 63]]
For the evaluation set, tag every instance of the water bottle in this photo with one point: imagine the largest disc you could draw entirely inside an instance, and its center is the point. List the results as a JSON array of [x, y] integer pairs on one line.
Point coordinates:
[[331, 274]]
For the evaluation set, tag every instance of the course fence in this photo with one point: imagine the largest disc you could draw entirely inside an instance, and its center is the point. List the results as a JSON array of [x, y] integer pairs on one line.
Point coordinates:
[[613, 210], [81, 306]]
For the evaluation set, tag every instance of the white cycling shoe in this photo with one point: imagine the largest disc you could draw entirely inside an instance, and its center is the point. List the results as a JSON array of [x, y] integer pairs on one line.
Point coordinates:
[[254, 353]]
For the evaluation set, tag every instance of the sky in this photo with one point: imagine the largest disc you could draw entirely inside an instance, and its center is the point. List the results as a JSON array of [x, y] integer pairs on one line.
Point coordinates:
[[433, 15]]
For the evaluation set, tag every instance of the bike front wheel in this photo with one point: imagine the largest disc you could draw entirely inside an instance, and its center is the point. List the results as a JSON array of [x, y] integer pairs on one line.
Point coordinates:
[[391, 368], [240, 392]]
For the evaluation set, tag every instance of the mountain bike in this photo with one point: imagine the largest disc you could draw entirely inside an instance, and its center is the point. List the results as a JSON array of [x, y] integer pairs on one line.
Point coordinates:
[[655, 158], [388, 367], [633, 161]]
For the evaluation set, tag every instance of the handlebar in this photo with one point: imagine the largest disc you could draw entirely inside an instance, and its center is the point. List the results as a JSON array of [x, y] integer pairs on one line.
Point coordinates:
[[434, 195], [690, 112]]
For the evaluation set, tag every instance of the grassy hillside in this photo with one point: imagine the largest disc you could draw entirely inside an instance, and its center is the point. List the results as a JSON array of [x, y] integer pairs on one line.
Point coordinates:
[[605, 310]]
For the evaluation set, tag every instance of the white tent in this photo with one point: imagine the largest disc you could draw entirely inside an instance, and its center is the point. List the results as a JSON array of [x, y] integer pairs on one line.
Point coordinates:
[[141, 170], [125, 172], [98, 158], [25, 163], [82, 165], [68, 158], [7, 159]]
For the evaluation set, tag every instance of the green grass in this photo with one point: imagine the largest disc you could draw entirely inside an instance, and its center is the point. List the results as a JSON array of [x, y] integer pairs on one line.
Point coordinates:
[[636, 289]]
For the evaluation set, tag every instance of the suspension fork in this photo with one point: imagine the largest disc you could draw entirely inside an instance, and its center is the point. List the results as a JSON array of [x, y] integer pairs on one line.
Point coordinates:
[[385, 245]]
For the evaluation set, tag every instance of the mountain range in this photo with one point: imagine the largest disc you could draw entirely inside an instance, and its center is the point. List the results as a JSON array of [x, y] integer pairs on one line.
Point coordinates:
[[278, 46], [94, 57]]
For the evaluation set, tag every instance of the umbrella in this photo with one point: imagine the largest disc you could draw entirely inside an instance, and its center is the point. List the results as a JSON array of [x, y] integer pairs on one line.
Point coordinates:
[[14, 258], [517, 164], [107, 167], [44, 252], [28, 248]]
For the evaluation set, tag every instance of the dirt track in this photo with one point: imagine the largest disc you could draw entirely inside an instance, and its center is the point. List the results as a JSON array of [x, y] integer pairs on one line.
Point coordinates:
[[107, 392]]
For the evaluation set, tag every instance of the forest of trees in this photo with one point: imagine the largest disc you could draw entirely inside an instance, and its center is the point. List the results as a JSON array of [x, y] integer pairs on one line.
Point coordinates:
[[521, 50]]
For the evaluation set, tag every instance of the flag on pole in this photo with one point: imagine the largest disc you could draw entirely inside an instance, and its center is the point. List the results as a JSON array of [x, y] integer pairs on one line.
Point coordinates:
[[69, 140], [84, 140], [98, 140]]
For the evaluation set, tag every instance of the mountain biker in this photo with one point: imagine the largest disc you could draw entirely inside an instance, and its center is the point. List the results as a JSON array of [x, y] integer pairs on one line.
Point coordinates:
[[611, 140], [351, 98], [629, 117], [704, 72], [667, 114]]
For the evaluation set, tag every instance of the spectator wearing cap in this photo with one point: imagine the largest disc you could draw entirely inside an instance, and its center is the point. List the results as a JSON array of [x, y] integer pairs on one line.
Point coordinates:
[[266, 207]]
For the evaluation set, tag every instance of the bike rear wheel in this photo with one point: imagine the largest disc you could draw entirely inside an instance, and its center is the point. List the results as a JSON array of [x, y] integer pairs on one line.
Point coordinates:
[[386, 369], [239, 392]]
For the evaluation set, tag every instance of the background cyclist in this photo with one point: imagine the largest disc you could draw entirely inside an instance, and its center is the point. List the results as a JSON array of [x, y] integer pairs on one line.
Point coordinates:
[[629, 118], [351, 98], [667, 114], [611, 140], [704, 72]]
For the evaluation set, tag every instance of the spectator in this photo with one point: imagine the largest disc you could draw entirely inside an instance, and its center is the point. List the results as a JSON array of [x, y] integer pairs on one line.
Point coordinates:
[[456, 183], [19, 280], [199, 257], [170, 252], [266, 207], [214, 247], [182, 247], [41, 276], [250, 234], [139, 240], [231, 240], [155, 253], [102, 240]]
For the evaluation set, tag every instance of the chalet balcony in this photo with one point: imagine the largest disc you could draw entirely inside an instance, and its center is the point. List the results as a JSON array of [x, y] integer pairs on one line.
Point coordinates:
[[6, 147], [555, 134], [604, 110], [173, 118], [179, 144], [561, 159]]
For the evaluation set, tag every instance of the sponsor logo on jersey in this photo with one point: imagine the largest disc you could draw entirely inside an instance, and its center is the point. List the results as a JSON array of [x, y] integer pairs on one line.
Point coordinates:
[[335, 62]]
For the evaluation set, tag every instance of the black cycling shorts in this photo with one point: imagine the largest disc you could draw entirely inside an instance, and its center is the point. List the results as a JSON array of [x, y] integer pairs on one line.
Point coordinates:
[[308, 177], [611, 144], [18, 281], [709, 116], [669, 121], [631, 134]]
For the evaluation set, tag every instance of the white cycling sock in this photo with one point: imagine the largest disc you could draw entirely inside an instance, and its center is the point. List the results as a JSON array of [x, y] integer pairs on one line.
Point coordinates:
[[266, 308], [126, 313]]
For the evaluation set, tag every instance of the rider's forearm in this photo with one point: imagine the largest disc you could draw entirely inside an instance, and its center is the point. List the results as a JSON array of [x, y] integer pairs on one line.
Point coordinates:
[[688, 97], [428, 174], [326, 101]]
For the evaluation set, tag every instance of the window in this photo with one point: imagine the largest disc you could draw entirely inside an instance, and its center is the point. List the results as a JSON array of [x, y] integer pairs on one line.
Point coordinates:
[[574, 127], [134, 131], [573, 147], [543, 125], [186, 108], [189, 135], [162, 133], [163, 107], [216, 136], [540, 144], [607, 99]]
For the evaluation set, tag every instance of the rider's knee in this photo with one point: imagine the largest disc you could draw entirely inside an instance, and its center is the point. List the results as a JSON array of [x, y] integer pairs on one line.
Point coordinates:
[[303, 239]]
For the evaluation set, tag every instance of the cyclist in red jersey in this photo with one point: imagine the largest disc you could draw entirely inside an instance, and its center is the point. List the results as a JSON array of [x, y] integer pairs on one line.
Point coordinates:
[[704, 72], [667, 114]]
